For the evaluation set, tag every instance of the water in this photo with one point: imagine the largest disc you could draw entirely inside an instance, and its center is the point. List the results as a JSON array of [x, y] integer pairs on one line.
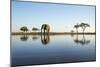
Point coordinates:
[[35, 49]]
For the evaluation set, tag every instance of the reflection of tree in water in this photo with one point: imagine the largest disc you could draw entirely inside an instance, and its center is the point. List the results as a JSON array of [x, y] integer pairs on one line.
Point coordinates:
[[45, 39], [72, 35], [35, 37], [83, 41], [76, 40], [24, 38]]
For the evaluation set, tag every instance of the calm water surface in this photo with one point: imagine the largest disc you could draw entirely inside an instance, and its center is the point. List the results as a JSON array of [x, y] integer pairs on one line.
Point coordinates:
[[33, 50]]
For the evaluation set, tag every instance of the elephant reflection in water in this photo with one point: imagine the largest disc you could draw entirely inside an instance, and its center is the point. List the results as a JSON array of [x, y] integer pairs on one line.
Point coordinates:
[[45, 28], [83, 41], [35, 37], [24, 38], [45, 39]]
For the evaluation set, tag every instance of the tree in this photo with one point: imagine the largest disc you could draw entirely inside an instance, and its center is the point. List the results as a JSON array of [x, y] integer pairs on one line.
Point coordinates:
[[76, 26], [24, 29], [84, 25], [35, 29], [72, 31]]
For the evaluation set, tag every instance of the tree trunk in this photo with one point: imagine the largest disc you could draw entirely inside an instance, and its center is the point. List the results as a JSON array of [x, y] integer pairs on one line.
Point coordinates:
[[77, 30], [83, 30]]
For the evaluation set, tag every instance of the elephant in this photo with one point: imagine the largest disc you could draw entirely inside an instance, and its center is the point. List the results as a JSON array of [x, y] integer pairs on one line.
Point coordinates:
[[45, 28]]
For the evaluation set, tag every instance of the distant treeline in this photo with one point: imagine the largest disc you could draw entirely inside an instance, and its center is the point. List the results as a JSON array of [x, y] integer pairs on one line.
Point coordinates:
[[51, 33], [82, 25]]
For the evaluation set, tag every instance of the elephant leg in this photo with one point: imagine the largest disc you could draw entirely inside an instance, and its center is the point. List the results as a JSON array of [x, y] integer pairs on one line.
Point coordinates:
[[48, 31], [41, 31], [44, 31]]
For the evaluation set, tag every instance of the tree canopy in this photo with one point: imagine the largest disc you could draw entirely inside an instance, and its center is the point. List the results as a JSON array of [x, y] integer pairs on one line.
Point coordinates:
[[76, 26], [84, 25], [35, 29], [24, 29]]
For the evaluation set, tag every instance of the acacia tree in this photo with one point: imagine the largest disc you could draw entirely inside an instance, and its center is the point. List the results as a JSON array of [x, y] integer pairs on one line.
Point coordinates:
[[35, 29], [76, 26], [24, 29], [72, 31], [84, 25]]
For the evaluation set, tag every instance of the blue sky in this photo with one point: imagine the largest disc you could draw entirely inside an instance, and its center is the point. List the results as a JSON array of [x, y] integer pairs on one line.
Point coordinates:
[[60, 17]]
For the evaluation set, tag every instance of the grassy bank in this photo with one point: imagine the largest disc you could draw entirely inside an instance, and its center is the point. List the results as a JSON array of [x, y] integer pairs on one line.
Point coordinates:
[[51, 33]]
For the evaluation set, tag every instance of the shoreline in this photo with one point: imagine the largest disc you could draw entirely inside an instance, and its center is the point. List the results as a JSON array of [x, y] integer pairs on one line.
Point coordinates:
[[52, 33]]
